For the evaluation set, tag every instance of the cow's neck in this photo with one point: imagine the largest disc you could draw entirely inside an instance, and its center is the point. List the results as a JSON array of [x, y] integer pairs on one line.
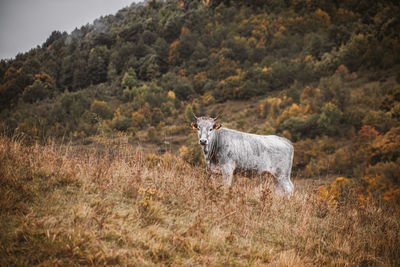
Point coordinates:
[[210, 150]]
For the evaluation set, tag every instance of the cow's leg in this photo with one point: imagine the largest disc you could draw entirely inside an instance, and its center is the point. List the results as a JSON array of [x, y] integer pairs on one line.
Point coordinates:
[[214, 168], [288, 187], [212, 171], [227, 172], [279, 190], [285, 181], [284, 185], [275, 175]]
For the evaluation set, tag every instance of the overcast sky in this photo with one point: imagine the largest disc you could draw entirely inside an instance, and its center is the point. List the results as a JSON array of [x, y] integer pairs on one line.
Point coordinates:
[[24, 24]]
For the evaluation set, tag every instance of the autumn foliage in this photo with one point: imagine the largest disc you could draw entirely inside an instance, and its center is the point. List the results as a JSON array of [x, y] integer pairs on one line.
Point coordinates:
[[324, 74]]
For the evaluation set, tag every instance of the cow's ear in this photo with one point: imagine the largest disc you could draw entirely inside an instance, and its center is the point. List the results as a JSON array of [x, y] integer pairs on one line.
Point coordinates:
[[217, 126], [194, 126]]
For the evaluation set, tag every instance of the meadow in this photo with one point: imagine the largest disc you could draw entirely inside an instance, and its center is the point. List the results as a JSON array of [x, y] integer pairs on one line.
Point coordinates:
[[112, 204]]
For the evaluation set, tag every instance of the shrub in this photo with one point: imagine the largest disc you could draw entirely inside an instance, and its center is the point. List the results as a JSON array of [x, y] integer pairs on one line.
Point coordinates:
[[387, 173], [389, 145], [189, 114], [153, 135], [121, 123], [101, 109], [301, 127], [264, 129], [183, 89], [270, 107], [129, 94], [337, 192], [352, 54], [379, 119], [138, 119], [342, 163], [329, 119], [42, 87]]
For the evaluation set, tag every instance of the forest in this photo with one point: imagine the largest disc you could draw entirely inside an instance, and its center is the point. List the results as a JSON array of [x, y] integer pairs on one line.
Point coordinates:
[[323, 74]]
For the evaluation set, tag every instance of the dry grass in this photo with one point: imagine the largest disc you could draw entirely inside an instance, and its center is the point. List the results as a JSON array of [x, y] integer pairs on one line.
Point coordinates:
[[68, 206]]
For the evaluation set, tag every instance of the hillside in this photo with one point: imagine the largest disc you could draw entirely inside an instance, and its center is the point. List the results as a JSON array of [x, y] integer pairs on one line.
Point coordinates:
[[98, 164], [70, 205], [323, 74]]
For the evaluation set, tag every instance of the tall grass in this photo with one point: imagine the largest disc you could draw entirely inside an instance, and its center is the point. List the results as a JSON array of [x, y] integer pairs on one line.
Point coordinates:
[[77, 205]]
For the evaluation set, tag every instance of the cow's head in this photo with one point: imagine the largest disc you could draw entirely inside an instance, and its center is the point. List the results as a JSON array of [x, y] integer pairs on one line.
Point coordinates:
[[205, 128]]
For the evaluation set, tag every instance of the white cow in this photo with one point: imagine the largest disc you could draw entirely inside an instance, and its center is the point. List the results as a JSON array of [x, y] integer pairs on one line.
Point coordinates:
[[233, 150]]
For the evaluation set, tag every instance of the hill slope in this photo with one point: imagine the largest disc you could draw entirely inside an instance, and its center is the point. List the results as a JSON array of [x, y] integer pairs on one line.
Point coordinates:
[[324, 74], [69, 205]]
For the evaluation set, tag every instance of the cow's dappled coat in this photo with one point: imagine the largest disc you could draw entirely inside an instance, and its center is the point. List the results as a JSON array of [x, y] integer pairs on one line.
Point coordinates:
[[233, 150]]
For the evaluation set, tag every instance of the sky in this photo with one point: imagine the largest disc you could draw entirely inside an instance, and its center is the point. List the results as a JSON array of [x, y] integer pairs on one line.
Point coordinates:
[[24, 24]]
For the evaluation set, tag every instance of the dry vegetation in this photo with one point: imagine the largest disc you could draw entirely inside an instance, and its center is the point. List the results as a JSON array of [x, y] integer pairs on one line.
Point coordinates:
[[114, 205]]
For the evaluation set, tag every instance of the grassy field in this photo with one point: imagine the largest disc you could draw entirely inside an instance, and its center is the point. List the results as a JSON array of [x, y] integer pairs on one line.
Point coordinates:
[[107, 205]]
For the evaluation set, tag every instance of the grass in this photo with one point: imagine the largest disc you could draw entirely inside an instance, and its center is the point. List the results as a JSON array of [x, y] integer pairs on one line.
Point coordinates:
[[67, 205]]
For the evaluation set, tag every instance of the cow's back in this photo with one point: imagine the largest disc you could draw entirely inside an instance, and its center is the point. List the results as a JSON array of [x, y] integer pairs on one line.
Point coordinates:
[[254, 152]]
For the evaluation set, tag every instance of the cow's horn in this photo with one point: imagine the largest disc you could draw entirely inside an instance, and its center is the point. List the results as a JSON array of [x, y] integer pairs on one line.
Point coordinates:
[[195, 116], [216, 118]]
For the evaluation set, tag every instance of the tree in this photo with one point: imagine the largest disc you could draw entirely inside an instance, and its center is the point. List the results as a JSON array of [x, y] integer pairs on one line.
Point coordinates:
[[111, 72], [149, 68], [80, 74], [329, 119], [3, 69], [186, 45], [239, 47], [121, 54], [183, 89], [333, 88], [199, 56], [98, 64], [161, 48], [42, 87], [352, 54], [15, 82], [66, 76], [54, 36], [130, 83], [129, 79], [172, 28]]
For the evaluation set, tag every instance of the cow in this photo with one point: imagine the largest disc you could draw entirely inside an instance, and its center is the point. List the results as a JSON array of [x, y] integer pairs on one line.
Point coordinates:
[[229, 150]]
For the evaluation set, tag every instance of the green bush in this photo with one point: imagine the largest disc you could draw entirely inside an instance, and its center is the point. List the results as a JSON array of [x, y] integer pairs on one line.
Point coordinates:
[[301, 128], [101, 109], [329, 119]]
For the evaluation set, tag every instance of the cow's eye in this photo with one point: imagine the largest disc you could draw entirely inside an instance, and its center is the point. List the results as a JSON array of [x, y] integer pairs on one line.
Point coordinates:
[[211, 129]]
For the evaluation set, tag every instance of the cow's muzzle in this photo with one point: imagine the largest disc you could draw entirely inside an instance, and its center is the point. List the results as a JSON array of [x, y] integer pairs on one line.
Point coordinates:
[[203, 142]]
